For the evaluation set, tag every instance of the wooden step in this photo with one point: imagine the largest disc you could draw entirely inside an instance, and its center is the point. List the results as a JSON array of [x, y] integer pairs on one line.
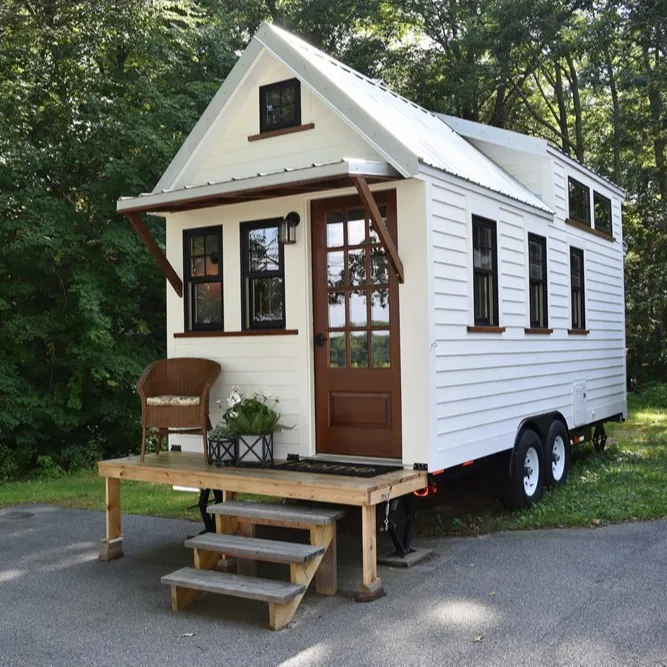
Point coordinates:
[[236, 585], [266, 513], [252, 548]]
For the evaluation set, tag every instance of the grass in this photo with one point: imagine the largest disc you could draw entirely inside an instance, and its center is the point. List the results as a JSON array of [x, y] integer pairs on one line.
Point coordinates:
[[627, 482]]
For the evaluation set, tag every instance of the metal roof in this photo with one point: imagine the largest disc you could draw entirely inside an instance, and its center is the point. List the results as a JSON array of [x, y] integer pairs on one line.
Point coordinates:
[[159, 201], [420, 131]]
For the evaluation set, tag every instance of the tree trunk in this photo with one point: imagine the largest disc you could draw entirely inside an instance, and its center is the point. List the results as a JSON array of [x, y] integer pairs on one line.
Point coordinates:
[[615, 116], [655, 108], [562, 110], [578, 121]]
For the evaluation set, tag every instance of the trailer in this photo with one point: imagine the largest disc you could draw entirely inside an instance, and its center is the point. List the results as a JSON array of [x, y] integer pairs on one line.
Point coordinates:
[[416, 289]]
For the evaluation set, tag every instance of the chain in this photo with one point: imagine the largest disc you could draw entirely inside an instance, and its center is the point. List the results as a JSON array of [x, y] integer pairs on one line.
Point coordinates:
[[386, 511]]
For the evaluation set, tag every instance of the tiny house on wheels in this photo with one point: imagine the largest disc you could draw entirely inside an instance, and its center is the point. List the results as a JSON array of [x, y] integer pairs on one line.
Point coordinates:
[[414, 288]]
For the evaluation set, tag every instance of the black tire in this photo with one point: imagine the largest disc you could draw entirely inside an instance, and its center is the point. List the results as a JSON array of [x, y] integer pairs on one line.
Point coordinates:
[[556, 455], [513, 492]]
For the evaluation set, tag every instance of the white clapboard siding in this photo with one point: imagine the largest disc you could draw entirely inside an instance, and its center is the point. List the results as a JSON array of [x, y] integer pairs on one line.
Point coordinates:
[[487, 384], [227, 153]]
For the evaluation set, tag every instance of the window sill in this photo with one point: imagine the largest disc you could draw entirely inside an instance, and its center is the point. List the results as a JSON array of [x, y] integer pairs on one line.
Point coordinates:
[[578, 332], [538, 330], [234, 334], [491, 330], [284, 130], [585, 228]]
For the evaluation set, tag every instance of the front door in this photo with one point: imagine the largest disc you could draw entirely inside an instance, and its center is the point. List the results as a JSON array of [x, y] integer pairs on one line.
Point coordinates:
[[356, 342]]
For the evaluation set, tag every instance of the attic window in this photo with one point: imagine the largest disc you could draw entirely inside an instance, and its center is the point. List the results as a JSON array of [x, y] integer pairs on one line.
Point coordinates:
[[279, 105]]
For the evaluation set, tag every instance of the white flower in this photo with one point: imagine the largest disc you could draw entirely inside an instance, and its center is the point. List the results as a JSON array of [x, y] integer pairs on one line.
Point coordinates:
[[233, 414], [219, 403], [267, 396], [235, 397]]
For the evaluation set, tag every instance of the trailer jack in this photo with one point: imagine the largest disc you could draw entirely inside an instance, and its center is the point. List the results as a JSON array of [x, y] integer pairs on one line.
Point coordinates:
[[402, 544]]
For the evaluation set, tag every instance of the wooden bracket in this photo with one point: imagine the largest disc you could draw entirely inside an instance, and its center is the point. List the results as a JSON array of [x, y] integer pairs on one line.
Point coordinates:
[[385, 238], [144, 234]]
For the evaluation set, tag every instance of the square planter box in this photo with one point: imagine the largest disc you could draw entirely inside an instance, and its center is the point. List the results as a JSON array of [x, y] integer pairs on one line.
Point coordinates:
[[255, 450], [222, 451], [243, 450]]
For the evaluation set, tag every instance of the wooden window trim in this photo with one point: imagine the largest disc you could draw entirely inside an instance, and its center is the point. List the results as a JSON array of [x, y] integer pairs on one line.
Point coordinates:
[[188, 281], [487, 222], [486, 329], [578, 332], [538, 330], [294, 82], [543, 282], [237, 334], [586, 223], [279, 133], [590, 230], [247, 275], [583, 292]]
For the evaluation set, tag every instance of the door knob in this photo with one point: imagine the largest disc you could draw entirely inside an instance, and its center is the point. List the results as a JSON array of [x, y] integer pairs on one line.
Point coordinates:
[[320, 340]]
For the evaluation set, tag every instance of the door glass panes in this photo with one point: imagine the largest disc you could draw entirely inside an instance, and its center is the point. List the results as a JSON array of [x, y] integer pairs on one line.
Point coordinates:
[[335, 223], [358, 314], [380, 349], [379, 272], [336, 309], [356, 227], [380, 307], [337, 350], [358, 292], [359, 349], [356, 260], [336, 269]]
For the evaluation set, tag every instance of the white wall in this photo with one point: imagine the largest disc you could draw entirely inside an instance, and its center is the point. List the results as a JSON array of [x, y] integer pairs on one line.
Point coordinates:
[[226, 151], [486, 384], [283, 365], [530, 169], [280, 365]]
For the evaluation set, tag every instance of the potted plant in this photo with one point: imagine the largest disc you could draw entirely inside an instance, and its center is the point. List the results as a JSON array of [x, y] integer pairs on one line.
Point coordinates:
[[244, 435]]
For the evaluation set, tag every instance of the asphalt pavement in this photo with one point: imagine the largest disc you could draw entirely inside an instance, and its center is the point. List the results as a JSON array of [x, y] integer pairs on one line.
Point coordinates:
[[551, 597]]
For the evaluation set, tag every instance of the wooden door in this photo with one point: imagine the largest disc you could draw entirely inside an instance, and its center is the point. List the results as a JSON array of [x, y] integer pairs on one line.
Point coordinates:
[[356, 327]]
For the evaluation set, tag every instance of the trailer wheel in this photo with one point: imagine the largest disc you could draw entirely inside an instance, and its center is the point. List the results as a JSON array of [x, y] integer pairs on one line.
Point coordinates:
[[524, 484], [599, 438], [556, 455]]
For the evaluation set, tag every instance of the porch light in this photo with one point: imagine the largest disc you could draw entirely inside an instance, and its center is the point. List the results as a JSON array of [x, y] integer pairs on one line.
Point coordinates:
[[288, 228]]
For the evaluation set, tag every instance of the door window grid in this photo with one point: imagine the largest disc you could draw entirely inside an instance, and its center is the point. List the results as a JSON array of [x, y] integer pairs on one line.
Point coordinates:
[[357, 292]]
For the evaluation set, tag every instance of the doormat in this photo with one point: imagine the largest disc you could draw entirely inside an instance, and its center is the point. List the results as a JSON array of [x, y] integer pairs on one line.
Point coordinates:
[[337, 468]]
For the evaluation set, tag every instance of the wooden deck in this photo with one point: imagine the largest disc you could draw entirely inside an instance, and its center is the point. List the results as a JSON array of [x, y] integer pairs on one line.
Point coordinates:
[[191, 469]]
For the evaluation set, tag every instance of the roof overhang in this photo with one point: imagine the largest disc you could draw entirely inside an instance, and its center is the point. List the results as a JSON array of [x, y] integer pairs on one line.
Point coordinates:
[[288, 181]]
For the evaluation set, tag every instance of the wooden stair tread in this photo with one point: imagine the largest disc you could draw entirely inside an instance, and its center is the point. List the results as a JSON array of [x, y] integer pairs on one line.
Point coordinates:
[[317, 516], [236, 585], [253, 548]]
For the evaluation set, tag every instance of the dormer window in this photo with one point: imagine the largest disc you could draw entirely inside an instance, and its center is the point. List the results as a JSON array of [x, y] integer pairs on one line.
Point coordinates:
[[279, 105]]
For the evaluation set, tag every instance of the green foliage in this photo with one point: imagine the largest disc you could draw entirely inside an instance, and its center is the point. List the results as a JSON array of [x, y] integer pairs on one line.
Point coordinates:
[[94, 101], [96, 98], [254, 415]]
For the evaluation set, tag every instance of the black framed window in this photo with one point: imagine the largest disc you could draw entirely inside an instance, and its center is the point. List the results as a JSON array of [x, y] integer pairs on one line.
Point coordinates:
[[263, 275], [577, 288], [602, 212], [280, 105], [485, 271], [579, 196], [537, 268], [203, 279]]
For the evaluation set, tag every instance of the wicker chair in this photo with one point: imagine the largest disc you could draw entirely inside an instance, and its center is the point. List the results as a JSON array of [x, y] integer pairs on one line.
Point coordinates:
[[174, 398]]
